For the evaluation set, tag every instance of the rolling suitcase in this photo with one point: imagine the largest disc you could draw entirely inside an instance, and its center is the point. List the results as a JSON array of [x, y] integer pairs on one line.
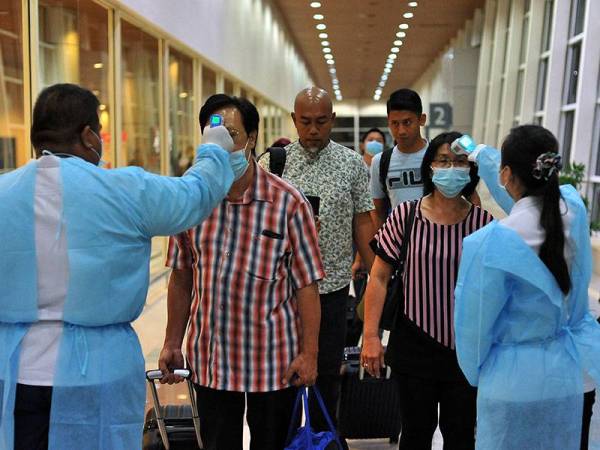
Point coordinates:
[[172, 427], [369, 408]]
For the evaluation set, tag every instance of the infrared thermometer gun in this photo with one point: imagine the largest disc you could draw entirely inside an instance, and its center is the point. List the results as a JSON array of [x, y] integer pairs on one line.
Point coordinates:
[[216, 120], [466, 145], [216, 133]]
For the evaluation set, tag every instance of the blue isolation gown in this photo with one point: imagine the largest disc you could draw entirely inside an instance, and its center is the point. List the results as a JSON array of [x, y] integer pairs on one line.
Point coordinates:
[[521, 341], [110, 217]]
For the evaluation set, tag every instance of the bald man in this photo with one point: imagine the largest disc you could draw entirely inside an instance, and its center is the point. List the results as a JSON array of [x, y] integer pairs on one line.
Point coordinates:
[[338, 176]]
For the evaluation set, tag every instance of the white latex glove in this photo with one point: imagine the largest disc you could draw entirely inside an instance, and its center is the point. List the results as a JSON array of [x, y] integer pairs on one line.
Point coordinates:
[[474, 153], [219, 136]]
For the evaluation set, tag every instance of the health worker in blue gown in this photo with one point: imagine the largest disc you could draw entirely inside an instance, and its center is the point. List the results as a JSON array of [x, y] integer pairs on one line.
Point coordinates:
[[524, 334], [74, 262]]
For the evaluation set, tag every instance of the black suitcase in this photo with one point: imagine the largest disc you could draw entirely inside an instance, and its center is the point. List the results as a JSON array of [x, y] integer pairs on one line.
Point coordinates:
[[171, 427], [368, 408]]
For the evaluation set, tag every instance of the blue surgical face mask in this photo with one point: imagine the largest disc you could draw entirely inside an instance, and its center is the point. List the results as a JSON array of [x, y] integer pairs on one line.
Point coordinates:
[[451, 181], [374, 147], [239, 162]]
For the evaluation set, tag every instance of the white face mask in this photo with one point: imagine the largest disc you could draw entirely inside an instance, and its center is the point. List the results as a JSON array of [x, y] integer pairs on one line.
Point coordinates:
[[98, 152], [503, 186]]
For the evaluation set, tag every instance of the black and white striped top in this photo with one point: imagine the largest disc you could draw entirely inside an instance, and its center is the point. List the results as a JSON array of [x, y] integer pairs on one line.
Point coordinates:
[[431, 267]]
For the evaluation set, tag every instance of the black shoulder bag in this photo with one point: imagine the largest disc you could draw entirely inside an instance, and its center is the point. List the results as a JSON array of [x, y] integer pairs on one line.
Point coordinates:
[[393, 308]]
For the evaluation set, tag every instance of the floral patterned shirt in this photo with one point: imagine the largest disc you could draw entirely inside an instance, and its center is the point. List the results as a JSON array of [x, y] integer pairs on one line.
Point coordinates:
[[340, 178]]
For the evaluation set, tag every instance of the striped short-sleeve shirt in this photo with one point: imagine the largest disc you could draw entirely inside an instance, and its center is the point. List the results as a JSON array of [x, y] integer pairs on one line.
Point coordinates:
[[431, 265], [248, 259]]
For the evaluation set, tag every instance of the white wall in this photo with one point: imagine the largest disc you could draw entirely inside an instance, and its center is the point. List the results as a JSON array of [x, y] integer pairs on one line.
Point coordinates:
[[243, 37]]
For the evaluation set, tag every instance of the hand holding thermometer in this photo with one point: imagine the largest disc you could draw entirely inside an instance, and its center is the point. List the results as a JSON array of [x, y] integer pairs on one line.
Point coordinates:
[[215, 133]]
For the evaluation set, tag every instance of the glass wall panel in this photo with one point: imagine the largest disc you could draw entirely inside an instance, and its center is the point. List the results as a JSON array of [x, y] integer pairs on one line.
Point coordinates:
[[547, 30], [141, 94], [519, 93], [13, 152], [209, 83], [182, 117], [572, 75], [568, 121], [73, 48], [577, 17], [540, 94]]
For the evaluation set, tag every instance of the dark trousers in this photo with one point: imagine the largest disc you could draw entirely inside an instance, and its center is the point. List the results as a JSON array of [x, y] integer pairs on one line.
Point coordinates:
[[222, 418], [419, 400], [32, 417], [588, 404], [332, 337]]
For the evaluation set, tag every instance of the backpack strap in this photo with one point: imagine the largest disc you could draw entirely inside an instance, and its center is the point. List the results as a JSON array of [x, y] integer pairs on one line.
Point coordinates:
[[384, 167]]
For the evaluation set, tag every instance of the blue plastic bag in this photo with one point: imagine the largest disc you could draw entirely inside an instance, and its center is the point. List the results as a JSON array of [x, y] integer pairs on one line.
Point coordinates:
[[305, 438]]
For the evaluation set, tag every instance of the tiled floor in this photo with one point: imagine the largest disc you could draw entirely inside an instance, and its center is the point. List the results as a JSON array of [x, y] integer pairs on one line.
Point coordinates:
[[151, 327]]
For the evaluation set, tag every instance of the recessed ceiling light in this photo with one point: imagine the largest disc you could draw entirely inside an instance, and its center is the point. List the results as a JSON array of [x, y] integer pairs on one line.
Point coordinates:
[[401, 34], [98, 66], [318, 5], [326, 50], [408, 15], [384, 77], [398, 43], [321, 26], [382, 83], [386, 70], [330, 61], [325, 43], [392, 56], [321, 16], [388, 65], [394, 49], [412, 4], [323, 35], [403, 26], [328, 56]]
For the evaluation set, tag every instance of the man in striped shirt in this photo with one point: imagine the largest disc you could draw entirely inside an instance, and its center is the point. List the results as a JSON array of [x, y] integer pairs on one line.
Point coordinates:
[[247, 280]]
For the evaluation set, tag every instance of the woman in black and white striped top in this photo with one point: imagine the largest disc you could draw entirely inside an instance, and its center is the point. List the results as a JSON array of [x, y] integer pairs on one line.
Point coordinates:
[[421, 349]]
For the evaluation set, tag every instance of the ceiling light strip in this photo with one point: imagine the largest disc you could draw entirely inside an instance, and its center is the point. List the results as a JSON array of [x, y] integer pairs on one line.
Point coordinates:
[[394, 50], [327, 51]]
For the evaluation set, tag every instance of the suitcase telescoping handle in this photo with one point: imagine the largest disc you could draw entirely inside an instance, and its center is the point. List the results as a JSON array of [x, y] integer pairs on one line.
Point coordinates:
[[152, 376]]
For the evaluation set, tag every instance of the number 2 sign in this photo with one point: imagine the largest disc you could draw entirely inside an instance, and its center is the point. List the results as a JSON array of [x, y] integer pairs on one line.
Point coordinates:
[[440, 115]]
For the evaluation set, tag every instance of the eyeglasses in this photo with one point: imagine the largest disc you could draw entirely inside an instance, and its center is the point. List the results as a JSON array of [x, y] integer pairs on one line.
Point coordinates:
[[447, 162]]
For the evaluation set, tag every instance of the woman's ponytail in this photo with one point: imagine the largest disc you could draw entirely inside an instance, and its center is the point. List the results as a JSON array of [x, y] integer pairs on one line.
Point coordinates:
[[531, 152], [552, 249]]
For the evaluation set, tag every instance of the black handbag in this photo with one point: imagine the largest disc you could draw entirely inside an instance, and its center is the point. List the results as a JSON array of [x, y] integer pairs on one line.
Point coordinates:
[[393, 308]]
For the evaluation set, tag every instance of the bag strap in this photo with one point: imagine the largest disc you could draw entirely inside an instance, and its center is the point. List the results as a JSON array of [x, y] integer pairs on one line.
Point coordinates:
[[408, 224], [384, 167], [295, 411], [326, 415], [303, 394]]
